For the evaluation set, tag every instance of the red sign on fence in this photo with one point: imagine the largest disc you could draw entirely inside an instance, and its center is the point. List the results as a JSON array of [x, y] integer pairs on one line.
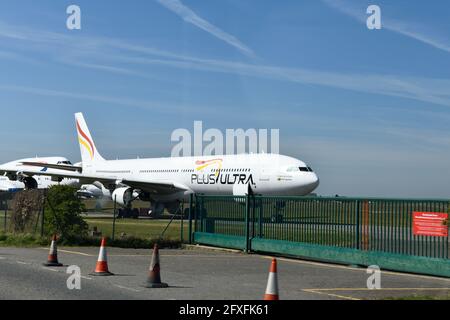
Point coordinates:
[[430, 224]]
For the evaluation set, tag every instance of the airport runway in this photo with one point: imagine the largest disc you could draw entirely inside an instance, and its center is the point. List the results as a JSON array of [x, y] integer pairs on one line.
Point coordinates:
[[198, 274]]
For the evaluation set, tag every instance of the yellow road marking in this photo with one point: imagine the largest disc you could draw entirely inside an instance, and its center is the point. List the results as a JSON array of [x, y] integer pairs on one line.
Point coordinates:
[[381, 289], [142, 255], [167, 255], [362, 269], [77, 252], [330, 294], [326, 291]]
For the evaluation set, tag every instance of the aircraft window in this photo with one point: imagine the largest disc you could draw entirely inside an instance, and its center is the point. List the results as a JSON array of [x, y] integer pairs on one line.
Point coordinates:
[[310, 170], [304, 169]]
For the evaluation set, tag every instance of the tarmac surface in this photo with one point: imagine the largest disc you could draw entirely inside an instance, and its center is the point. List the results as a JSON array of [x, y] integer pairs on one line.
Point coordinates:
[[196, 273]]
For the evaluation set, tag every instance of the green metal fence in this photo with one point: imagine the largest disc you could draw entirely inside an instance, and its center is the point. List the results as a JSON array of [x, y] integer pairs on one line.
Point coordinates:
[[348, 230]]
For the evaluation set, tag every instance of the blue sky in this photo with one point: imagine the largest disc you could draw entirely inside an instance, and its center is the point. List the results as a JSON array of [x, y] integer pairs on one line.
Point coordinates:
[[369, 110]]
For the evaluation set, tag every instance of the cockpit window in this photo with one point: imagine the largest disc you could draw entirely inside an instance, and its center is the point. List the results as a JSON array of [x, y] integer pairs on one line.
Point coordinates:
[[297, 169], [64, 162]]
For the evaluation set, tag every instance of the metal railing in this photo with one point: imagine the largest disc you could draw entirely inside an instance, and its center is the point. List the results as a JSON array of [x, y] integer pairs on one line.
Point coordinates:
[[368, 224]]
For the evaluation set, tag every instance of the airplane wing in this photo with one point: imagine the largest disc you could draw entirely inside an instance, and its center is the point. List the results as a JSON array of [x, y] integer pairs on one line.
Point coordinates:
[[54, 166], [155, 187], [159, 187]]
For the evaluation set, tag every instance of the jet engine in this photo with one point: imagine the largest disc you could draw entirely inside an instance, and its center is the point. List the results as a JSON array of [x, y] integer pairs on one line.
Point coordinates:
[[30, 183], [173, 207], [123, 196]]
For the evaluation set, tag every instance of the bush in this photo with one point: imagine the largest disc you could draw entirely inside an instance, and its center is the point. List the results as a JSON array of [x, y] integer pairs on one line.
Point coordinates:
[[26, 207], [63, 213]]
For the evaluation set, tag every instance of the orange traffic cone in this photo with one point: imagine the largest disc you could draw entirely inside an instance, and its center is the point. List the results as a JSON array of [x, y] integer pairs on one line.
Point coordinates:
[[52, 260], [101, 268], [154, 277], [272, 283]]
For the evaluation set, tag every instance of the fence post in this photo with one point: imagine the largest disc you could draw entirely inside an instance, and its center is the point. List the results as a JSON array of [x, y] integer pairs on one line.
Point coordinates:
[[196, 218], [201, 213], [114, 219], [43, 213], [182, 223], [191, 204], [260, 219], [6, 215], [247, 223], [357, 226]]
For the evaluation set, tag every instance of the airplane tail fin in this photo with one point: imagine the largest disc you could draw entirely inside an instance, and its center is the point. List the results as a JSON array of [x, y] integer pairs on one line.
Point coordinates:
[[89, 152]]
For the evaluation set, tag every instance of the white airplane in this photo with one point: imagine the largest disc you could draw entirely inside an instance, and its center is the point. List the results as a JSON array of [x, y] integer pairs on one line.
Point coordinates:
[[15, 180], [165, 182], [95, 190], [7, 185]]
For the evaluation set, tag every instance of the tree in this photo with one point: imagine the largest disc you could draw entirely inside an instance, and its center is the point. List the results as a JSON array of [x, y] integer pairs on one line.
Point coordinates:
[[63, 213]]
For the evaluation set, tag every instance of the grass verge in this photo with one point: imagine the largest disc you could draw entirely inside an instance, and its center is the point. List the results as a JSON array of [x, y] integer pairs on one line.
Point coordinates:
[[139, 228], [29, 240]]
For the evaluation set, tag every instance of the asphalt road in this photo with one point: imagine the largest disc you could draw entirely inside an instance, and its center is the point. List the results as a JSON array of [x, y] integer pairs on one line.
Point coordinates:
[[198, 274]]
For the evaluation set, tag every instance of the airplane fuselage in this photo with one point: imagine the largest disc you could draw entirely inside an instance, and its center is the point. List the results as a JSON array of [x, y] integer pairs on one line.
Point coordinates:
[[267, 174]]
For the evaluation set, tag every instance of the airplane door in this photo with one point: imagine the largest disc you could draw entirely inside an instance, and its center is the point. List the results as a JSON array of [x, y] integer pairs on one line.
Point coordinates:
[[265, 174]]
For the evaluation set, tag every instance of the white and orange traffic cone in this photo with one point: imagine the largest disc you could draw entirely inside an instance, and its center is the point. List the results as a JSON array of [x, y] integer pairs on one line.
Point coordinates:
[[101, 268], [52, 260], [154, 276], [272, 283]]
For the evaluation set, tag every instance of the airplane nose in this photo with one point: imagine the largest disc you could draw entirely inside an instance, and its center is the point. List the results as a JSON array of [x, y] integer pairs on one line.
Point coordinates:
[[314, 181]]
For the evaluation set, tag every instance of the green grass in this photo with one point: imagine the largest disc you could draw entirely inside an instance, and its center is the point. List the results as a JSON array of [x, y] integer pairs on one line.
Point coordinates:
[[22, 240], [30, 240], [139, 228], [107, 206]]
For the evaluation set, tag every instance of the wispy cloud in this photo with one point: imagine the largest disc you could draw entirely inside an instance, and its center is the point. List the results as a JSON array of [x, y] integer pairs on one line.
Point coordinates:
[[411, 30], [191, 17], [120, 57], [109, 100], [436, 91]]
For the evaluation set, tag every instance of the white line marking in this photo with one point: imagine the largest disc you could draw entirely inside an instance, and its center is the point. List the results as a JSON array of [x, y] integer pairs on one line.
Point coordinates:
[[45, 268], [77, 252], [87, 278], [21, 262], [130, 289]]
